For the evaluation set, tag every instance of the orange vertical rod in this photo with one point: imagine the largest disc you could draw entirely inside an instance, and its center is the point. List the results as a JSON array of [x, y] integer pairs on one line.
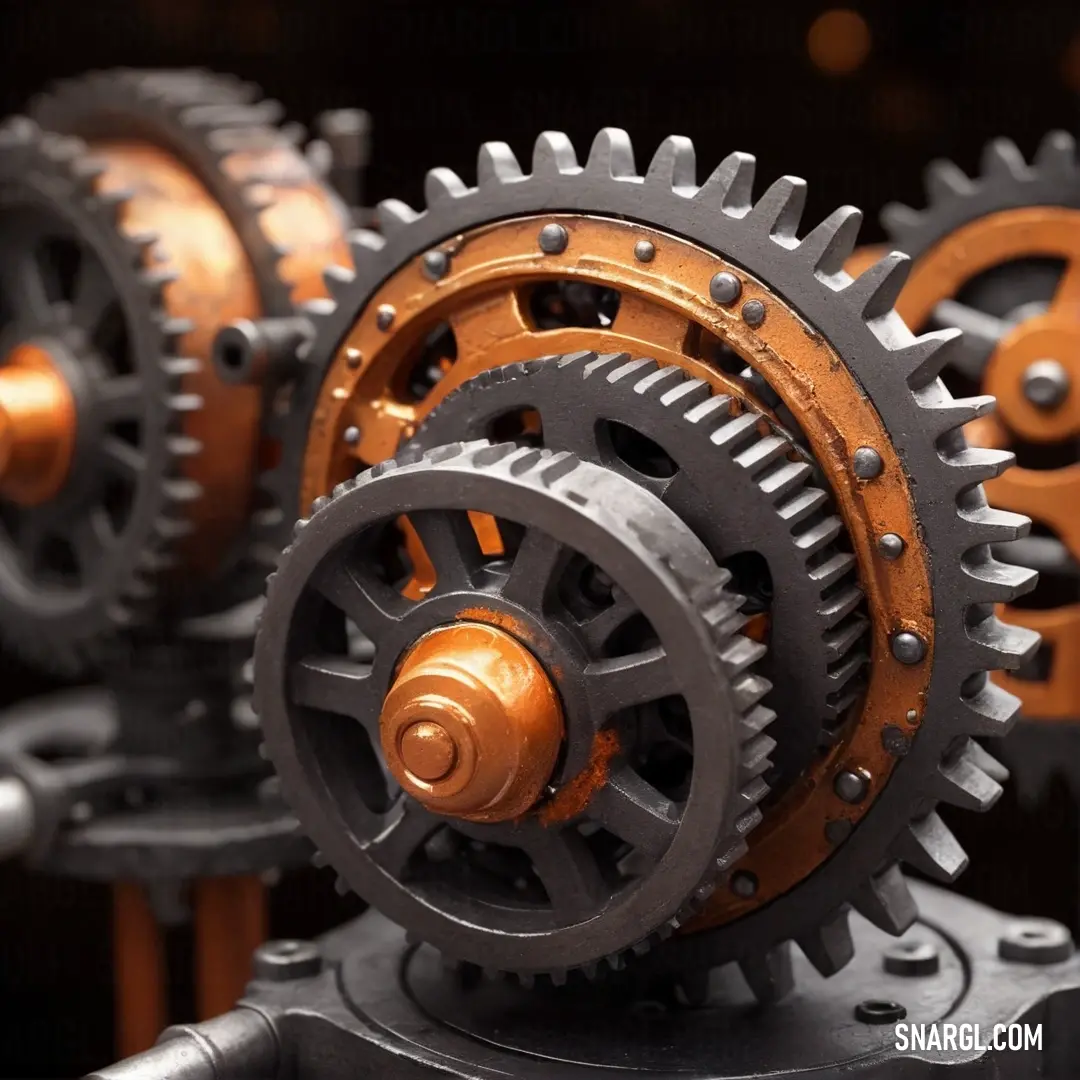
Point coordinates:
[[139, 976], [230, 923]]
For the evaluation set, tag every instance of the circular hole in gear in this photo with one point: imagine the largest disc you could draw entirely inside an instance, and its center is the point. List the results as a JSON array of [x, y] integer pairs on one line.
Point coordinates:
[[637, 451]]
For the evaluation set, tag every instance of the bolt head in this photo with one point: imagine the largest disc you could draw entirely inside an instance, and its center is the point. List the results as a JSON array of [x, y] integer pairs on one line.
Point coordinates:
[[553, 239], [753, 313], [912, 958], [895, 741], [879, 1012], [725, 288], [644, 251], [436, 265], [351, 435], [1036, 941], [867, 463], [907, 647], [744, 884], [890, 546], [1046, 384], [280, 961], [852, 784], [353, 357], [384, 316]]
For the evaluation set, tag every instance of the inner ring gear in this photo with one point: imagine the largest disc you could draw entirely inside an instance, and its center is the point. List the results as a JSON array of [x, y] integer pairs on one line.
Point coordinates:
[[896, 372], [597, 902], [739, 483]]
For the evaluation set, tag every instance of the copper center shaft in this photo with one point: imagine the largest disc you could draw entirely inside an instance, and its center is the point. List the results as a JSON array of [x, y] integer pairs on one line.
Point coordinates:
[[472, 726], [37, 426]]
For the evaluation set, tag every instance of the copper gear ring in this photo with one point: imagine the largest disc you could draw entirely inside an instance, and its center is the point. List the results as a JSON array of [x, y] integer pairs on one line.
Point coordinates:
[[705, 274]]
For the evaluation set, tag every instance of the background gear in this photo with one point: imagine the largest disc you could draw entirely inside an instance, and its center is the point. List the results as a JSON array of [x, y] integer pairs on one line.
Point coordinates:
[[748, 498], [896, 372], [669, 628]]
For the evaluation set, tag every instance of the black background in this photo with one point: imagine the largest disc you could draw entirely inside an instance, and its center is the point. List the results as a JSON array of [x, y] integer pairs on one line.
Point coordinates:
[[440, 78]]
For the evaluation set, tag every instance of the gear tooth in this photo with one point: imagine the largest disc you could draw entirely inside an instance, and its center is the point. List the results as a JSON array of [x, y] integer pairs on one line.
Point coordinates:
[[875, 291], [927, 845], [818, 536], [997, 644], [674, 165], [364, 246], [763, 453], [984, 760], [834, 568], [754, 759], [611, 155], [988, 525], [975, 465], [739, 654], [802, 505], [553, 155], [828, 246], [337, 280], [496, 164], [948, 414], [786, 479], [991, 711], [886, 902], [993, 582], [630, 368], [393, 215], [944, 181], [842, 639], [925, 358], [779, 211], [731, 185], [734, 432], [756, 720], [1056, 153], [688, 394], [443, 185], [838, 606], [829, 947], [961, 782], [899, 220], [769, 975], [1001, 159]]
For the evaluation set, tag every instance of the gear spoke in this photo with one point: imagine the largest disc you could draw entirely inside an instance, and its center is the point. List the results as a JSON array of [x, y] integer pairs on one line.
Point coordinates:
[[655, 326], [636, 812], [367, 603], [121, 398], [598, 628], [629, 680], [338, 685], [450, 541], [1067, 293], [93, 294], [396, 844], [982, 332], [122, 458], [490, 318], [568, 871], [539, 560]]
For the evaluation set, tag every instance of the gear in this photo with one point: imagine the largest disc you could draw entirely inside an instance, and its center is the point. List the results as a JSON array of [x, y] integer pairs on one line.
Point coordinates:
[[748, 499], [996, 255], [714, 282], [113, 428], [625, 828]]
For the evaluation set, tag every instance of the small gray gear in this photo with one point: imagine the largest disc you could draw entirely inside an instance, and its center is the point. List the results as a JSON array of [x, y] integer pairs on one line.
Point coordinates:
[[680, 844], [128, 393], [899, 375], [749, 493]]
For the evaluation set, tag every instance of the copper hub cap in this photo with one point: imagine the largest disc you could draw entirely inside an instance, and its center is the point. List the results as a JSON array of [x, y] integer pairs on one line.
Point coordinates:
[[37, 426], [472, 726]]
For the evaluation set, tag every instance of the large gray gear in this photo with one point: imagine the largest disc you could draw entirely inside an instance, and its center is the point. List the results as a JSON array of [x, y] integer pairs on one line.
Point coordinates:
[[661, 570], [898, 373], [749, 492], [52, 178]]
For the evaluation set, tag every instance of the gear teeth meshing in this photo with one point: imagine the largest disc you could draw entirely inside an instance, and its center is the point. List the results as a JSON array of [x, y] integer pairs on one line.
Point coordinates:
[[769, 975], [828, 246], [896, 371], [927, 845], [886, 901], [829, 946]]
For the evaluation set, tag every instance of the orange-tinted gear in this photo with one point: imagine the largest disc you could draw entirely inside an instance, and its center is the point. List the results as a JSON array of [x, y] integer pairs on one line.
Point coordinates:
[[1048, 496], [486, 300]]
